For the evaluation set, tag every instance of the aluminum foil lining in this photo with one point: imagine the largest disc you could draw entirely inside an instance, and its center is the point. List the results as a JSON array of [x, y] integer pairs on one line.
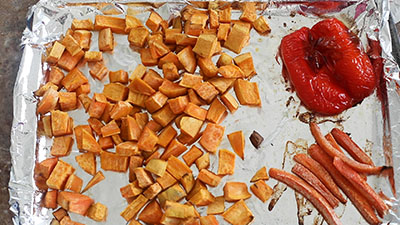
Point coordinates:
[[373, 125]]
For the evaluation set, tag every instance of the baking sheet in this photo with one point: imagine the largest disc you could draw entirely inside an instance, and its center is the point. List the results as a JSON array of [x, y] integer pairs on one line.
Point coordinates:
[[277, 120]]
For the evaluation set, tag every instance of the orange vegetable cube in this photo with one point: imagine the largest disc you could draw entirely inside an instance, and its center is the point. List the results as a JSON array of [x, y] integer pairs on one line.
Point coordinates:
[[172, 90], [234, 191], [97, 212], [205, 45], [92, 56], [43, 89], [147, 59], [83, 89], [203, 162], [187, 182], [83, 37], [261, 25], [155, 102], [222, 84], [214, 20], [118, 76], [131, 190], [206, 91], [185, 40], [190, 126], [74, 79], [217, 112], [137, 99], [177, 168], [175, 148], [226, 163], [238, 37], [170, 71], [174, 193], [115, 92], [153, 79], [74, 202], [237, 142], [209, 177], [230, 102], [61, 146], [187, 59], [142, 119], [166, 181], [106, 142], [238, 213], [56, 52], [212, 137], [60, 123], [121, 109], [190, 80], [98, 71], [217, 207], [47, 126], [148, 140], [152, 213], [132, 22], [178, 105], [225, 15], [110, 129], [261, 190], [96, 125], [134, 207], [74, 183], [208, 220], [249, 12], [82, 24], [99, 176], [143, 177], [59, 175], [170, 58], [247, 92], [207, 67], [230, 71], [166, 136], [196, 111], [71, 45], [194, 98], [152, 191], [130, 130], [192, 155], [261, 174], [154, 126], [140, 86], [139, 72], [153, 22], [116, 24], [106, 40], [56, 75], [245, 63], [164, 116], [50, 199], [223, 31], [202, 197], [134, 162], [127, 148], [113, 162], [87, 161], [68, 62]]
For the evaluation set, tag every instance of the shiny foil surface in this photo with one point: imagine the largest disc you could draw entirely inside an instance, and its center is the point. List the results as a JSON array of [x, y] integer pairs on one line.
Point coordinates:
[[282, 120]]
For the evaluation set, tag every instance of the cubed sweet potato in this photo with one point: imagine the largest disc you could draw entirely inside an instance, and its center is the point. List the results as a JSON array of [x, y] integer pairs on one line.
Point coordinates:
[[205, 45], [116, 24], [261, 25], [99, 176], [61, 146], [134, 207], [152, 213], [74, 202], [217, 207], [50, 199], [247, 92], [87, 161], [152, 191], [106, 40], [187, 182], [60, 123], [173, 193], [203, 162], [71, 45], [226, 163], [234, 191], [192, 155], [209, 177], [217, 112], [89, 143], [68, 62], [55, 75], [230, 102], [74, 79], [166, 136], [113, 162], [187, 59], [196, 111], [175, 148], [172, 90], [206, 91], [245, 63], [56, 52], [131, 190], [59, 175], [132, 22], [97, 212], [261, 190], [238, 37], [166, 181], [177, 168], [157, 167], [74, 183], [148, 140], [212, 137]]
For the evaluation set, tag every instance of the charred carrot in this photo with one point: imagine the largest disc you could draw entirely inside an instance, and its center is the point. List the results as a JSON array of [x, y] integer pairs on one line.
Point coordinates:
[[308, 192], [321, 173], [355, 197], [351, 147], [312, 180], [328, 148], [362, 186]]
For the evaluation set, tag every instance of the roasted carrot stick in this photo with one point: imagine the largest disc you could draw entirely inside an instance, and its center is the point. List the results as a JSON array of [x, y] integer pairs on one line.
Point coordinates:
[[312, 180], [333, 142], [308, 192], [355, 197], [362, 186], [351, 147], [328, 148], [320, 172]]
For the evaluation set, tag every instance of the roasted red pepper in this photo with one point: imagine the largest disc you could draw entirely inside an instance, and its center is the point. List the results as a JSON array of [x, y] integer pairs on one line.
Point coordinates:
[[327, 67]]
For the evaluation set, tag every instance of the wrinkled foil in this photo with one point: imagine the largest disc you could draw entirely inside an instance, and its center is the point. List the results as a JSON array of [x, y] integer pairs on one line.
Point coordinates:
[[373, 125]]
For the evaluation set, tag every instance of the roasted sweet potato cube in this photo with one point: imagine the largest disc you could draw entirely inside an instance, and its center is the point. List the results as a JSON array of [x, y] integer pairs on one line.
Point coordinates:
[[192, 155], [234, 191], [115, 92], [137, 36], [166, 136], [170, 71], [238, 213], [177, 168], [71, 45], [47, 126], [95, 125], [106, 40], [190, 126], [175, 148], [153, 22], [137, 99], [187, 182], [249, 12], [185, 40], [127, 148], [142, 119], [56, 52], [134, 162], [143, 177], [68, 62], [121, 109], [164, 116], [208, 220], [116, 24], [195, 99], [73, 80], [214, 18], [74, 202], [224, 59], [225, 15], [205, 45], [139, 72], [187, 140], [212, 137], [60, 213], [131, 190], [236, 139], [87, 161], [157, 48], [201, 197], [217, 207], [172, 90], [97, 212], [261, 190], [55, 75], [226, 163], [98, 71], [187, 59], [166, 180], [132, 22], [97, 178], [157, 166], [174, 193], [83, 37], [178, 105], [207, 67], [83, 89], [190, 80], [105, 143], [170, 35], [78, 134], [113, 162], [148, 140], [196, 111], [238, 37], [222, 84], [61, 146], [170, 58], [209, 177], [110, 129], [134, 207], [82, 24], [261, 25], [74, 183], [50, 199], [140, 86], [118, 76], [177, 210], [92, 56], [152, 213], [96, 109], [155, 102], [85, 101], [203, 162], [130, 130], [60, 123], [206, 91], [247, 92], [43, 89], [217, 112], [59, 175], [153, 79], [89, 143], [67, 100], [152, 191], [230, 102], [223, 31], [230, 71], [245, 63]]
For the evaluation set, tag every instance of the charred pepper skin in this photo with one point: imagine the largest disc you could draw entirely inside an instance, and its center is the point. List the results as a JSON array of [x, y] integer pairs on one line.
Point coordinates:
[[327, 67]]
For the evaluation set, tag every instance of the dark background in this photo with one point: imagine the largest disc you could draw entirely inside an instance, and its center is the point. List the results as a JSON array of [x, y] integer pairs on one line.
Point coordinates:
[[12, 23]]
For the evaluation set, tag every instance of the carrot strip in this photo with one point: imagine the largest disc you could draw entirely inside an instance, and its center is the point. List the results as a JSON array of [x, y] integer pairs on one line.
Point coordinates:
[[351, 147], [308, 192], [362, 186], [355, 197], [333, 142], [312, 180], [321, 173], [328, 148]]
